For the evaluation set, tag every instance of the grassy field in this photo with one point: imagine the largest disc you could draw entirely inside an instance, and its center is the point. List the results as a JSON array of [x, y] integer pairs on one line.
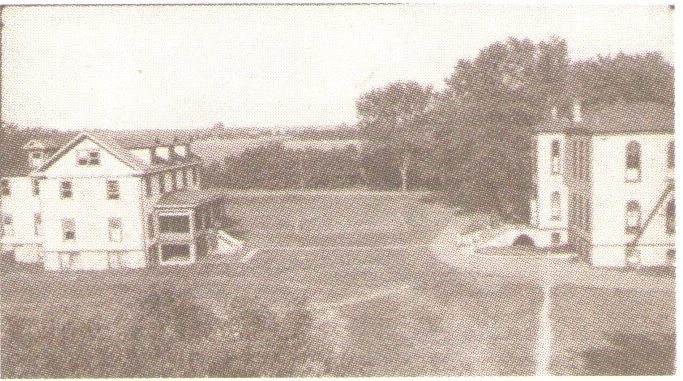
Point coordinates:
[[330, 219], [393, 312], [613, 332]]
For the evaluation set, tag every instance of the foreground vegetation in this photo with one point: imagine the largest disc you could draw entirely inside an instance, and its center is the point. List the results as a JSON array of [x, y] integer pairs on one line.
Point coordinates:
[[320, 310], [282, 314], [613, 332]]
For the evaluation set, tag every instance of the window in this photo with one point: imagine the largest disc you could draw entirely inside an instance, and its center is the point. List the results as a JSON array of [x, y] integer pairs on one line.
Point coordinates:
[[174, 224], [633, 161], [632, 217], [671, 255], [555, 156], [65, 189], [194, 175], [671, 217], [150, 225], [148, 186], [4, 187], [184, 178], [115, 231], [174, 182], [671, 156], [7, 225], [35, 186], [162, 183], [68, 229], [36, 158], [37, 224], [88, 157], [113, 190], [555, 238], [175, 252], [555, 206]]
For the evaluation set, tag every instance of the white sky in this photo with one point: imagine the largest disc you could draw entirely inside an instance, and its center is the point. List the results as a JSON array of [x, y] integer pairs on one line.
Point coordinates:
[[127, 67]]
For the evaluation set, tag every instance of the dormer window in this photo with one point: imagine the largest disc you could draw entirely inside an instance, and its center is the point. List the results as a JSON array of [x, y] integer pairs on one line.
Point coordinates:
[[88, 157], [36, 158]]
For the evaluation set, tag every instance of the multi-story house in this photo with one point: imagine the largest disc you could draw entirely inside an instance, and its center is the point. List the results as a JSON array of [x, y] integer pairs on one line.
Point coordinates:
[[21, 225], [97, 204], [548, 209], [618, 175]]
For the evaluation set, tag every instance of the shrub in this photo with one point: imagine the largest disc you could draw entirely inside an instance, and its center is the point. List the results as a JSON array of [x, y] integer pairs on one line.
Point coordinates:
[[166, 333]]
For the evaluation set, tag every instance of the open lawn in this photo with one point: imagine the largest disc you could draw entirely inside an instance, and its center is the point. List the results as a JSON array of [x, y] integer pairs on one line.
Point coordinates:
[[613, 332], [328, 219], [388, 311]]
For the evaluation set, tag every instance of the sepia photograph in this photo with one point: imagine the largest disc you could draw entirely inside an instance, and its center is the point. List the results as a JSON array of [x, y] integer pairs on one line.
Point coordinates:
[[337, 190]]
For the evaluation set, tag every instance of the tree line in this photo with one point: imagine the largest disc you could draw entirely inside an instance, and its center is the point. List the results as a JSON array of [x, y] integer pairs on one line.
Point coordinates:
[[472, 142]]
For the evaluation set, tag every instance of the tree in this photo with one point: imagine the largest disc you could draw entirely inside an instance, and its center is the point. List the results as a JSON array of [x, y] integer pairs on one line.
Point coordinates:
[[630, 78], [483, 147], [396, 117]]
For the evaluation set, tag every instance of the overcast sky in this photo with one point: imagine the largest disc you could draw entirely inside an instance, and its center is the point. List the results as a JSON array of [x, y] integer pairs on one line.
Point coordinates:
[[127, 67]]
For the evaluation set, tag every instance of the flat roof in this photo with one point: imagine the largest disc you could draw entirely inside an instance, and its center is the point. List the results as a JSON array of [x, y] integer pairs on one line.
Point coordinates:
[[189, 198]]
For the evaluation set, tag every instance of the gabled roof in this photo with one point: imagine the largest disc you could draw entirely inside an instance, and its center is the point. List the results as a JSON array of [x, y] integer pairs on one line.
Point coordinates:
[[113, 147], [16, 163], [103, 142]]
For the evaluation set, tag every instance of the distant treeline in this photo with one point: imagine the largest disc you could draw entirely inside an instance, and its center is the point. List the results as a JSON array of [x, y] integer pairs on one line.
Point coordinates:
[[472, 141], [273, 166]]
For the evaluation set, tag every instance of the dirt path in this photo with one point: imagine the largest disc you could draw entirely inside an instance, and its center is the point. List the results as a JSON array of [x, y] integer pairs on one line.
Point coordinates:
[[544, 338]]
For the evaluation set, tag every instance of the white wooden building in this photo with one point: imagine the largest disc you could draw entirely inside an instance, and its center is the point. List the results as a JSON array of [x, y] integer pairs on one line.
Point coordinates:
[[96, 204], [608, 179]]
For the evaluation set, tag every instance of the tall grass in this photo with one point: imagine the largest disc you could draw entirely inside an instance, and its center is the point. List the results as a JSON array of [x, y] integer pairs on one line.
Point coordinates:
[[166, 333]]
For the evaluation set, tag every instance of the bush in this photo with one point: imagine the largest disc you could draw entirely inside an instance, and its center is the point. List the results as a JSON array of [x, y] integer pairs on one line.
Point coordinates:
[[166, 333]]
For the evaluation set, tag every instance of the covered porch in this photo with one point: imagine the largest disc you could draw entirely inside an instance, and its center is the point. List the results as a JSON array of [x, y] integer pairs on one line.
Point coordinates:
[[186, 223]]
